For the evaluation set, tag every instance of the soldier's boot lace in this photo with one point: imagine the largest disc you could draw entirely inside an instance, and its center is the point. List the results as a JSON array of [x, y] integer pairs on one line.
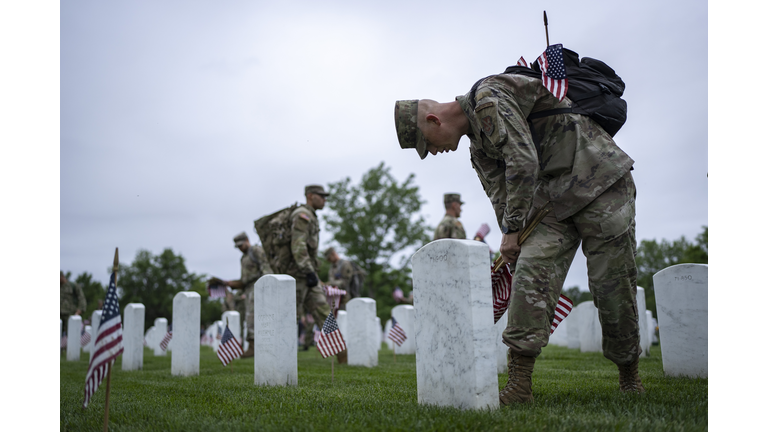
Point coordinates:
[[629, 378], [519, 385]]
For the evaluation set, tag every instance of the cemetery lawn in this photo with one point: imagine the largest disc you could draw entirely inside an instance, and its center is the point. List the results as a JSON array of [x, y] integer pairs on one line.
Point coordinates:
[[572, 391]]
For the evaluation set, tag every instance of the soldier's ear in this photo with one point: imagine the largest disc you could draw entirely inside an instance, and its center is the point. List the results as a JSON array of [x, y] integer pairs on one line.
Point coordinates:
[[433, 119]]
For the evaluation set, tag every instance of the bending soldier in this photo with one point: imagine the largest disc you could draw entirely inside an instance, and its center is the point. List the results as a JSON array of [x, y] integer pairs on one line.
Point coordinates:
[[340, 275]]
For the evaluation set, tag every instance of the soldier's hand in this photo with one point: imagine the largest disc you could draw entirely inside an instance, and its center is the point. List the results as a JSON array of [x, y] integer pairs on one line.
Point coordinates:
[[509, 249], [312, 279]]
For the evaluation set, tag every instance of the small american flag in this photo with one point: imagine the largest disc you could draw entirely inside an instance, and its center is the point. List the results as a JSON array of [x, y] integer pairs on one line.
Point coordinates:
[[501, 283], [333, 295], [331, 341], [553, 71], [218, 331], [229, 348], [483, 231], [316, 332], [85, 337], [522, 62], [63, 340], [166, 339], [217, 291], [108, 344], [397, 294], [396, 333]]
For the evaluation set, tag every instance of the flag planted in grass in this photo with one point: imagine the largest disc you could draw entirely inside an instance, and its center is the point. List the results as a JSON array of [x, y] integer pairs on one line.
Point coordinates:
[[108, 344], [85, 337], [166, 340], [229, 348], [501, 284], [396, 333], [331, 341]]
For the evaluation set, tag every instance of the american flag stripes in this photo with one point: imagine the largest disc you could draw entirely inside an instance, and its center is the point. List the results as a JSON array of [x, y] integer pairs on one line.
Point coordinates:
[[396, 333], [522, 62], [229, 348], [217, 291], [166, 339], [501, 284], [553, 71], [333, 295], [108, 343], [85, 337], [63, 340], [331, 341], [316, 332]]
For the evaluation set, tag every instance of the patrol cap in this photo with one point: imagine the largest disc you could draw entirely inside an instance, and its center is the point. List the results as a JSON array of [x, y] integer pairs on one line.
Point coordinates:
[[408, 133], [240, 239], [451, 197], [330, 251], [315, 189]]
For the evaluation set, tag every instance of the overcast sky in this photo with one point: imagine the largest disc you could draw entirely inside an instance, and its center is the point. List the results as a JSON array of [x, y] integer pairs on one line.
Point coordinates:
[[182, 122]]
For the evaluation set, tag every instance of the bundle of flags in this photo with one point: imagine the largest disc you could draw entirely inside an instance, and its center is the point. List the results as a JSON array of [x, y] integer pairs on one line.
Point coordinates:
[[217, 291], [166, 340], [396, 333], [333, 296], [397, 294], [85, 337], [484, 228], [501, 284], [229, 348], [331, 341], [108, 342], [553, 74]]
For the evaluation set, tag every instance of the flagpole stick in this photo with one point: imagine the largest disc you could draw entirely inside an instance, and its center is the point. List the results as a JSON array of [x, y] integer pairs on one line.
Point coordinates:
[[109, 365], [331, 369], [546, 30]]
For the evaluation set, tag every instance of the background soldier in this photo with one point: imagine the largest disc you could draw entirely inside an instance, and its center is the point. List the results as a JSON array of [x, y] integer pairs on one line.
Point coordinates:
[[568, 162], [253, 265], [450, 227], [72, 300], [340, 275]]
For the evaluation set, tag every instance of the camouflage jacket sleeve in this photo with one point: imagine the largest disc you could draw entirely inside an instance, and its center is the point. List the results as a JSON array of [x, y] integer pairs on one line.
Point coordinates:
[[341, 275], [265, 268], [299, 236]]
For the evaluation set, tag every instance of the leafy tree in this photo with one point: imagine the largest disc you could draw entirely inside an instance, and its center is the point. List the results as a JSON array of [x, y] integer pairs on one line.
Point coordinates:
[[154, 280], [94, 293], [374, 220], [576, 295], [653, 256]]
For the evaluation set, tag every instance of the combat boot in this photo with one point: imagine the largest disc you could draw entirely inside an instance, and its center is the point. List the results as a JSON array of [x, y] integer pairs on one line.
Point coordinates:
[[249, 351], [519, 385], [629, 378], [341, 357]]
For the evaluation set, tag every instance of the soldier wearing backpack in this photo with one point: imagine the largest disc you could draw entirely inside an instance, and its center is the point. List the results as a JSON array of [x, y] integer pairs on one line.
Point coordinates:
[[566, 160]]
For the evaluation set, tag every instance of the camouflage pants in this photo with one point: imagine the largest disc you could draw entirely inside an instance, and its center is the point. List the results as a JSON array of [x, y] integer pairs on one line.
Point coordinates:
[[312, 301], [606, 229]]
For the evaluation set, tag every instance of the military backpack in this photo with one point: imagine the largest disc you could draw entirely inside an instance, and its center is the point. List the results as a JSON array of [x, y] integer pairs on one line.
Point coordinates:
[[274, 230], [593, 87]]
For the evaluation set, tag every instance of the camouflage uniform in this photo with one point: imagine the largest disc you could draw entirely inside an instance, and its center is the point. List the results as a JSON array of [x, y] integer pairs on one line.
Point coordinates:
[[71, 299], [305, 238], [569, 160], [450, 227], [340, 275], [253, 265]]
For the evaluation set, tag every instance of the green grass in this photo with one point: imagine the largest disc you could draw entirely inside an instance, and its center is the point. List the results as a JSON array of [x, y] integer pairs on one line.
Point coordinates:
[[572, 391]]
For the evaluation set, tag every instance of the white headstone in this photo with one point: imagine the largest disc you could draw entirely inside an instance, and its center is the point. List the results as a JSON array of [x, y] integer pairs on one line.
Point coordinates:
[[379, 334], [341, 320], [74, 324], [590, 331], [234, 324], [275, 340], [91, 333], [185, 358], [651, 329], [404, 316], [133, 336], [218, 331], [387, 340], [642, 322], [574, 340], [161, 328], [362, 332], [681, 303], [501, 347], [149, 337], [95, 321], [454, 334]]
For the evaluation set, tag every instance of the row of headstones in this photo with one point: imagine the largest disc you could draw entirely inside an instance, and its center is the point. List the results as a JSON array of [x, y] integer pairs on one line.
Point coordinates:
[[457, 343]]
